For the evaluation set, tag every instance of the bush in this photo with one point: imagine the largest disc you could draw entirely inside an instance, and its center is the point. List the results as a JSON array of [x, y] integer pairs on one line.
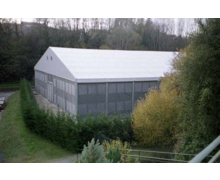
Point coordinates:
[[155, 117], [116, 151], [114, 155], [71, 132], [113, 152], [94, 153]]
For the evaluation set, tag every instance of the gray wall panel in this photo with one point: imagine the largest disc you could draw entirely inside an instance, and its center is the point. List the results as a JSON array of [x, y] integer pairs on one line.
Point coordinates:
[[101, 107], [117, 97], [119, 93], [91, 98], [128, 106], [61, 92]]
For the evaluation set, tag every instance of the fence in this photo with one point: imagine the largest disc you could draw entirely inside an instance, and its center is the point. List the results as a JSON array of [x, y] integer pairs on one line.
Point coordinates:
[[204, 153], [147, 156], [157, 156]]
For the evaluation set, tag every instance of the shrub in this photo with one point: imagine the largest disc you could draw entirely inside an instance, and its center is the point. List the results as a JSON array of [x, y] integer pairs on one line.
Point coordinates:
[[71, 132], [116, 151], [114, 155], [155, 117], [93, 153], [113, 152]]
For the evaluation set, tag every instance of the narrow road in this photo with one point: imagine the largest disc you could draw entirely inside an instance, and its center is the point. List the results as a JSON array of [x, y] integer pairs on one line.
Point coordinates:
[[6, 95]]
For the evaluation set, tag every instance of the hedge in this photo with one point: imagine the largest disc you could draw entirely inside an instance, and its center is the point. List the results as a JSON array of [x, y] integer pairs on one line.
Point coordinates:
[[71, 132]]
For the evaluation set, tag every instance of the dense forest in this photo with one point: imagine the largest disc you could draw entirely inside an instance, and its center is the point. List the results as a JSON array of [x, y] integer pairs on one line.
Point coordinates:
[[23, 43]]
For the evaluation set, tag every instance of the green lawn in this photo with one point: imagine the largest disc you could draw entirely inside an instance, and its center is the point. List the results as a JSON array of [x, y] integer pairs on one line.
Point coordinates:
[[12, 86], [19, 144], [9, 86]]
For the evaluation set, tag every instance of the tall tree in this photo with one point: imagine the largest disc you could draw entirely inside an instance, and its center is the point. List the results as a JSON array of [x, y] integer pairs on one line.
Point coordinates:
[[200, 74]]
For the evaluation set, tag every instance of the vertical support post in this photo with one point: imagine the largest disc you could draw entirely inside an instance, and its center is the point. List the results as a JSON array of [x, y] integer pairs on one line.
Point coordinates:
[[52, 88], [132, 96], [71, 94], [46, 89], [45, 85], [76, 95], [34, 80], [106, 98], [65, 103], [56, 91]]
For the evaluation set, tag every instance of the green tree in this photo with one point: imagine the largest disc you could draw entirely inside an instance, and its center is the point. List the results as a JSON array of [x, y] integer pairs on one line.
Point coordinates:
[[199, 81], [93, 153]]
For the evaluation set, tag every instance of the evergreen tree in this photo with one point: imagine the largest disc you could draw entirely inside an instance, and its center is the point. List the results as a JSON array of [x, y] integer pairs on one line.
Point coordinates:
[[93, 153]]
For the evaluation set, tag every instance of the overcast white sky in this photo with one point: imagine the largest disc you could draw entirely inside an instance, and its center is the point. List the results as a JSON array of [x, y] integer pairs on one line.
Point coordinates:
[[25, 19]]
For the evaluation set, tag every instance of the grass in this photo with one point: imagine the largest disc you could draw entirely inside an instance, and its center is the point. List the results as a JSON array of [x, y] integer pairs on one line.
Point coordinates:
[[9, 86], [16, 83], [18, 144]]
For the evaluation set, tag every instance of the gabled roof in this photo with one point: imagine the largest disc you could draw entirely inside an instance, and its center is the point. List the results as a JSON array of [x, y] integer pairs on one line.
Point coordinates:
[[89, 65]]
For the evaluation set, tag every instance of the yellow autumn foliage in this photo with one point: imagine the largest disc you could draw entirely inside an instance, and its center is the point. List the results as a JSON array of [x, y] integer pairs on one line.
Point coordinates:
[[113, 144], [123, 147], [155, 116]]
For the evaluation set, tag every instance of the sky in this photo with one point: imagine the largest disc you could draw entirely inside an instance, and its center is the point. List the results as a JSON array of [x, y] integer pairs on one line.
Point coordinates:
[[24, 19]]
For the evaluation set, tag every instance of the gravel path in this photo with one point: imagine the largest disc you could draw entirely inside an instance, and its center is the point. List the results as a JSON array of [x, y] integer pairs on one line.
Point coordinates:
[[45, 104], [6, 95]]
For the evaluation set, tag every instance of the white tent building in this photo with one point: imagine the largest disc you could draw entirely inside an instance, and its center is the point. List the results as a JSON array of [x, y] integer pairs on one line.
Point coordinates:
[[93, 81]]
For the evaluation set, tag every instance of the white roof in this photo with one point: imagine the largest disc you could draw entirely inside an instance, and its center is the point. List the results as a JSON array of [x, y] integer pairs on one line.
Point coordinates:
[[89, 65]]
